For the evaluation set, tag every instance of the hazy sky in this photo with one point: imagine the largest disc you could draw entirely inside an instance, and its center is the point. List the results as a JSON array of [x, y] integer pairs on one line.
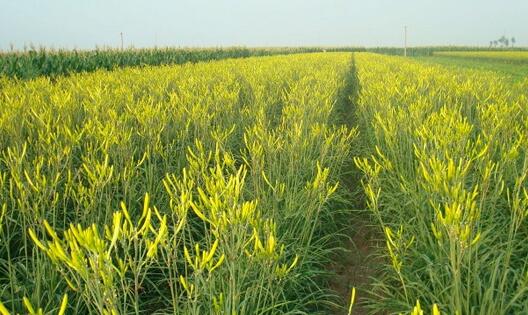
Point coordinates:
[[87, 23]]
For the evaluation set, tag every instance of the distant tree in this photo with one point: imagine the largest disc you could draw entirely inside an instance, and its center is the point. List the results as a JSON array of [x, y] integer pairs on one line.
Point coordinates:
[[491, 43], [501, 40], [513, 41]]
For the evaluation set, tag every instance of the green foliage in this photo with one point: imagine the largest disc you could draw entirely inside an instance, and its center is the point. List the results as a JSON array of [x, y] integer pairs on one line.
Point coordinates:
[[53, 63], [194, 189], [514, 72], [513, 57], [446, 181], [422, 51]]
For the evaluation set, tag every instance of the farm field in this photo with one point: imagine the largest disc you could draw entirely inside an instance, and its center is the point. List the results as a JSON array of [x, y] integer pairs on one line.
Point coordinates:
[[504, 63], [504, 56], [52, 63], [194, 189], [446, 182], [230, 186]]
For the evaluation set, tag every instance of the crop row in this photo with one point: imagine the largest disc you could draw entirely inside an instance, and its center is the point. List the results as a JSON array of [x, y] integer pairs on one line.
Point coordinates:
[[213, 188], [505, 56], [446, 182], [415, 51], [194, 189], [53, 63]]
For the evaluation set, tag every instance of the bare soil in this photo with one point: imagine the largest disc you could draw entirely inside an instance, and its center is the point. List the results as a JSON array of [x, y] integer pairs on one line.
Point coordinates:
[[355, 268]]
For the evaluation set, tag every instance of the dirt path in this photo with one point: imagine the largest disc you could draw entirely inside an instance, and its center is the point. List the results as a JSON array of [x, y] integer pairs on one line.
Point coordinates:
[[355, 267]]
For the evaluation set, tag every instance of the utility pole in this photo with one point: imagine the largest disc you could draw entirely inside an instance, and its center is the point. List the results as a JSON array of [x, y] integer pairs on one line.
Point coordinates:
[[121, 40], [405, 41]]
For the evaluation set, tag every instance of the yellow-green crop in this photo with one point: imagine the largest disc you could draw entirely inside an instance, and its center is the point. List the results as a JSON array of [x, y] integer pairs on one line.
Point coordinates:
[[506, 56], [213, 188], [192, 189], [446, 181]]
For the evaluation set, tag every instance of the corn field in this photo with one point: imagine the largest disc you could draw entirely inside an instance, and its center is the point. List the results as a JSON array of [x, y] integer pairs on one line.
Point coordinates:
[[33, 62], [224, 187]]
